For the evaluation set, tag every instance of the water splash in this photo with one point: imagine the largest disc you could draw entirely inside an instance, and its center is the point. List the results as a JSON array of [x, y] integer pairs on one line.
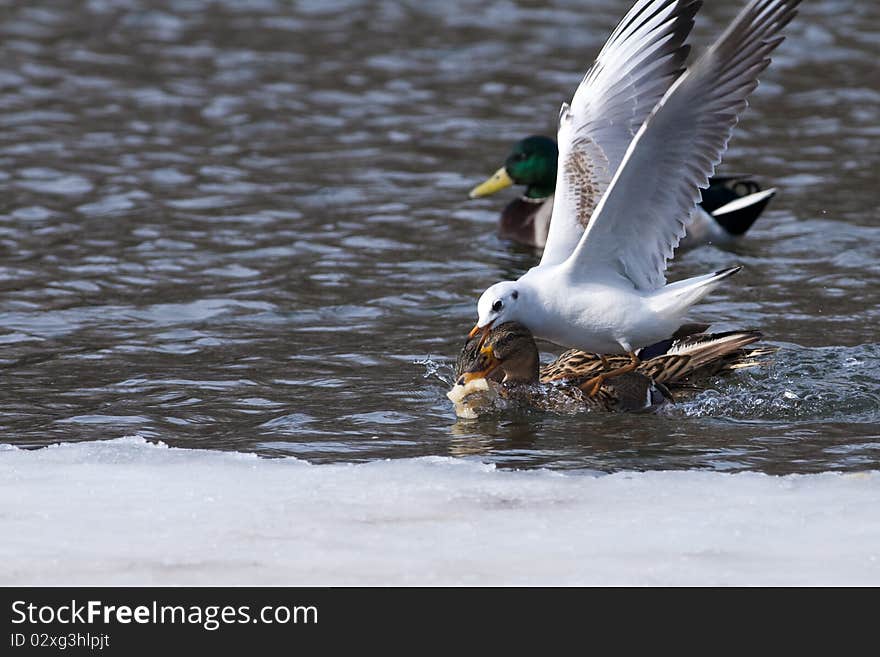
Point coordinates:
[[439, 371], [829, 383]]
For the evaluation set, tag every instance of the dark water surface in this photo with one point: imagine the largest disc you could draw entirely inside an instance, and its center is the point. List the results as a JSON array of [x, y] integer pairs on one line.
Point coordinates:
[[244, 225]]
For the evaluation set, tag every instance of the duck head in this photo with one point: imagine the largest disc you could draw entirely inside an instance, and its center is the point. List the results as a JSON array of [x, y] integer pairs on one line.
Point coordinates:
[[531, 162], [507, 354]]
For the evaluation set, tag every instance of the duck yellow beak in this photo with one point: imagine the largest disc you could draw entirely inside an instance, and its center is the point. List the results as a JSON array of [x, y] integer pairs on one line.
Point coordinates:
[[499, 180], [487, 364]]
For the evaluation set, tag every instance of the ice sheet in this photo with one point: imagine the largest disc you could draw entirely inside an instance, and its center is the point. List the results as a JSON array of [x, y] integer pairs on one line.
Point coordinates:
[[131, 512]]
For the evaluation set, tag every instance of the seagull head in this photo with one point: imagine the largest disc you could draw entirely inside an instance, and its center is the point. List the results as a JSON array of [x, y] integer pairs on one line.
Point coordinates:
[[497, 305]]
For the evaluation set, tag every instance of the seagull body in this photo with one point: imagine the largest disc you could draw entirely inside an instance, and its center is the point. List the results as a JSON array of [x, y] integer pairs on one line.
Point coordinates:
[[601, 283], [620, 317]]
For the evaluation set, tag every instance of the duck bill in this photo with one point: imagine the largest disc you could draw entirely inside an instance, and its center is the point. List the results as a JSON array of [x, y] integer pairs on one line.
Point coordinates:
[[499, 180], [487, 365]]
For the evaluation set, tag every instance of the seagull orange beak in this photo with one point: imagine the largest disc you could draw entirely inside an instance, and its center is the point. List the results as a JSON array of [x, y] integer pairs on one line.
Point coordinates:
[[482, 332]]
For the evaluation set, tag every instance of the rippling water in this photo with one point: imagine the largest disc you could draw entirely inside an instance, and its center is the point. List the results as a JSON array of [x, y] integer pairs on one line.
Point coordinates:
[[244, 225]]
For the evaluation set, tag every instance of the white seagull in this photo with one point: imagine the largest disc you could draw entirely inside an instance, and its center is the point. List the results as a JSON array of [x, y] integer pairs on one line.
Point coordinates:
[[603, 288]]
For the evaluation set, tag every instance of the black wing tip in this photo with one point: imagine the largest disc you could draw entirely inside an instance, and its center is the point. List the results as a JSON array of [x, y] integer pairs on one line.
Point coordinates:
[[686, 13], [689, 8], [686, 330], [730, 271], [752, 334]]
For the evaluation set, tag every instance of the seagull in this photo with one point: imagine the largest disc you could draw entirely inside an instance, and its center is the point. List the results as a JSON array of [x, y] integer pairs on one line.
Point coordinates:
[[605, 290]]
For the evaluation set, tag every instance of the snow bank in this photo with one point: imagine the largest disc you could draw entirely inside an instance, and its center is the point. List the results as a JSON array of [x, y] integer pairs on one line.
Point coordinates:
[[130, 512]]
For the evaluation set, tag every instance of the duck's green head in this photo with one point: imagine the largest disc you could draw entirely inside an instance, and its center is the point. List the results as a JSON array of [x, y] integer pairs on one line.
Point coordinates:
[[532, 162]]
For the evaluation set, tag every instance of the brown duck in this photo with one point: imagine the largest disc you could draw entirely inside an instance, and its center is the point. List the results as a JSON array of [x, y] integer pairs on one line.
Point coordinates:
[[509, 359]]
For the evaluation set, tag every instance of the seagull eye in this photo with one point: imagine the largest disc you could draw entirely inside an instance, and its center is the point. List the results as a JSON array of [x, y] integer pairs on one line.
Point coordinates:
[[515, 294], [497, 306]]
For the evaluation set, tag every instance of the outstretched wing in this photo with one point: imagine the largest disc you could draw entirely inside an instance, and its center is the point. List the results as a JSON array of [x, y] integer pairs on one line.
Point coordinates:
[[643, 214], [637, 65]]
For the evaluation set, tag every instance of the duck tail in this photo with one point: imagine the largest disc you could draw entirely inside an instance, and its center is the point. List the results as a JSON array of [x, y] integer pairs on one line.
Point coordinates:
[[738, 216], [723, 189], [704, 354]]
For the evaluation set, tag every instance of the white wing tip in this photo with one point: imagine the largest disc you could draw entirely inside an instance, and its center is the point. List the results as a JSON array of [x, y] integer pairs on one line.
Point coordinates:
[[564, 113]]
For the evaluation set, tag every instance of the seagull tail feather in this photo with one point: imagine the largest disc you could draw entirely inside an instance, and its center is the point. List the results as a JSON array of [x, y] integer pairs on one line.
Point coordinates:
[[675, 299]]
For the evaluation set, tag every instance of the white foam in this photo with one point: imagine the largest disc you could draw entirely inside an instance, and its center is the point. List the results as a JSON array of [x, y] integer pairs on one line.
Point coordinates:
[[130, 512]]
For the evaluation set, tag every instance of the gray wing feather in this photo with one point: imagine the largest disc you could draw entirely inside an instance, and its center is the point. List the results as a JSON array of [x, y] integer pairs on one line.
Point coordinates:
[[641, 59], [647, 207]]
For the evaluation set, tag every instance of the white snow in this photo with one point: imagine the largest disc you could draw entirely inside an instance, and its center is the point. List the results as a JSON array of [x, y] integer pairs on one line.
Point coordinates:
[[131, 512]]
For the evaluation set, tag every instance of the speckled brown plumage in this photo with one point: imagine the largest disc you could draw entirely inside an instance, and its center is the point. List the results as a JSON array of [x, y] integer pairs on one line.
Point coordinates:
[[581, 180], [685, 357]]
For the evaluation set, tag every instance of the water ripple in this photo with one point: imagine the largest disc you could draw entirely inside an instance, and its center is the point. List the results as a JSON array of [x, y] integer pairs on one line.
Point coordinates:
[[246, 226]]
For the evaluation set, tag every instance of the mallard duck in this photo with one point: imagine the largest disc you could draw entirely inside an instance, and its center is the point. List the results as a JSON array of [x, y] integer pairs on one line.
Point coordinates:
[[507, 365], [728, 209]]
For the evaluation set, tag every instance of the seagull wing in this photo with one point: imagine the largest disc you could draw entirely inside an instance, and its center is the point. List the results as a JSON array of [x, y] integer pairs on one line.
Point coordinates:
[[642, 216], [637, 65]]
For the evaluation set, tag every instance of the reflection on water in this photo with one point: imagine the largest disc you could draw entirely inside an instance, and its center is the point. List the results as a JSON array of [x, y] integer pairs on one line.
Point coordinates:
[[245, 226]]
